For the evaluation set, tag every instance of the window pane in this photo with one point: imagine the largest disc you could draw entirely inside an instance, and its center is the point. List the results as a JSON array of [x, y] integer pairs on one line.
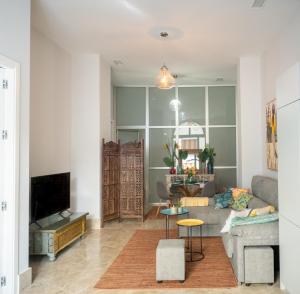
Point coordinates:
[[158, 137], [192, 107], [161, 109], [224, 142], [126, 136], [225, 178], [221, 103], [131, 106], [154, 177]]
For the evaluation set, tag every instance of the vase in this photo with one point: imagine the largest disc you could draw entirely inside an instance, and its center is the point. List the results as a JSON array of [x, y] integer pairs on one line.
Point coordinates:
[[173, 210], [210, 167], [179, 169], [172, 171], [179, 209]]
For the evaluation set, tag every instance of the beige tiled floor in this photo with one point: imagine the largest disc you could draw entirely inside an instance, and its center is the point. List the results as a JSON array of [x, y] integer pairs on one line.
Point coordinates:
[[78, 268]]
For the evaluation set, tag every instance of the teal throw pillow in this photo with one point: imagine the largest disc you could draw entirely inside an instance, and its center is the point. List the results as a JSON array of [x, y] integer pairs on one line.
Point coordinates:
[[223, 200], [241, 202]]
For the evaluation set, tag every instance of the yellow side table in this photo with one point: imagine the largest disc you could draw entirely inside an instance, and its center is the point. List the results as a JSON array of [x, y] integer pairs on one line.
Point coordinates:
[[190, 224]]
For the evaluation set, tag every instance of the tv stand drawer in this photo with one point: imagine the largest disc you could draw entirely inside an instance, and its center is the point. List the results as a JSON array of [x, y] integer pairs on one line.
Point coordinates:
[[54, 238]]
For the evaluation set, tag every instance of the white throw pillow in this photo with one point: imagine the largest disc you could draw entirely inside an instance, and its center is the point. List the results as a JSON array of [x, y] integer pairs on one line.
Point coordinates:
[[234, 213]]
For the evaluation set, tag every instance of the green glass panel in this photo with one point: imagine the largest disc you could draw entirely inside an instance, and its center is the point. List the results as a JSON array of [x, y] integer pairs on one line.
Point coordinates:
[[126, 136], [158, 137], [131, 106], [221, 104], [225, 178], [224, 142], [192, 107], [155, 175], [161, 110]]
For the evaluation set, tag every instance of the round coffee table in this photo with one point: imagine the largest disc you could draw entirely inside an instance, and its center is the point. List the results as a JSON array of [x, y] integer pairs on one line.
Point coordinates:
[[190, 224], [168, 212]]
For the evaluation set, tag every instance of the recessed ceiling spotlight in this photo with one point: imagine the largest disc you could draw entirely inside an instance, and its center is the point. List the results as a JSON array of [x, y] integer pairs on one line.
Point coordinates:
[[258, 3], [164, 34], [118, 62]]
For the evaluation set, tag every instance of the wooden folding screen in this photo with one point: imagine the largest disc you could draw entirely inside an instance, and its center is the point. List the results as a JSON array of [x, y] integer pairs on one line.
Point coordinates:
[[122, 181], [110, 181], [132, 180]]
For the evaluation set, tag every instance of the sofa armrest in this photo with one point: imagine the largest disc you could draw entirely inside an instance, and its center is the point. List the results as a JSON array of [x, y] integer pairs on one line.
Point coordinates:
[[257, 231]]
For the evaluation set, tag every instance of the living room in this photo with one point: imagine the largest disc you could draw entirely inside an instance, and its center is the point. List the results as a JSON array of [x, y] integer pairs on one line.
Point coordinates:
[[160, 125]]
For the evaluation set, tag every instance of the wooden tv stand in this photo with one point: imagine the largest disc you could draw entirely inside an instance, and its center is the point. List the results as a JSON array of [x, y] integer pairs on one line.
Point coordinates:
[[51, 239]]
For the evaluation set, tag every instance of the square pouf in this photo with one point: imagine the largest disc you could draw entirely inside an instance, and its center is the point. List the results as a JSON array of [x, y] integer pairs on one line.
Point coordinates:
[[170, 260], [259, 265]]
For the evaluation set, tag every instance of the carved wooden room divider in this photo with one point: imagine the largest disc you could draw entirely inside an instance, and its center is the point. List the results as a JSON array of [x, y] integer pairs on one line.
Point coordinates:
[[110, 181], [132, 180], [122, 181]]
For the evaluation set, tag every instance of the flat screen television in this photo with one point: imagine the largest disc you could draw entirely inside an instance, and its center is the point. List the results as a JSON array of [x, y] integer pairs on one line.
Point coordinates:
[[50, 194]]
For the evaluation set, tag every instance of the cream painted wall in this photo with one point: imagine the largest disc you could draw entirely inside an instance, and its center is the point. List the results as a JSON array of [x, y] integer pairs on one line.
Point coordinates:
[[50, 107], [15, 44], [85, 134], [249, 101]]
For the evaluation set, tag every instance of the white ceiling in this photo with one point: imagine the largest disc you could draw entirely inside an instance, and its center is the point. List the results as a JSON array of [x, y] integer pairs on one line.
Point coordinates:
[[206, 36]]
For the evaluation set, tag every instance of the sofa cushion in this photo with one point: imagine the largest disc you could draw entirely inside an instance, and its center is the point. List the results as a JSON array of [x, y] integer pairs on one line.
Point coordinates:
[[256, 202], [209, 214], [266, 189]]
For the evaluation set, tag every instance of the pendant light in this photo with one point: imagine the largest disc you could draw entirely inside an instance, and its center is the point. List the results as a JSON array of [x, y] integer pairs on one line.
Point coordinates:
[[165, 80]]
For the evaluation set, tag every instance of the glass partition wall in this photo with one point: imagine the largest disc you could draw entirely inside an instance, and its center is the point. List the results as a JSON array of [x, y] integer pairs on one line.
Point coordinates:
[[190, 115]]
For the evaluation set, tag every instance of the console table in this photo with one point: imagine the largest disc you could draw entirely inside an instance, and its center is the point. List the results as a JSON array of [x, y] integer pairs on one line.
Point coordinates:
[[200, 177], [51, 239]]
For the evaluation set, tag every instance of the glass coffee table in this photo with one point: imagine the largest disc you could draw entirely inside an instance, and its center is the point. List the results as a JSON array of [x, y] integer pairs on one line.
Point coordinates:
[[168, 212]]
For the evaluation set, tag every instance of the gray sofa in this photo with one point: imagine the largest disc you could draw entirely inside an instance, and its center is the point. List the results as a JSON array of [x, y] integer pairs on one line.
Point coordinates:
[[265, 193]]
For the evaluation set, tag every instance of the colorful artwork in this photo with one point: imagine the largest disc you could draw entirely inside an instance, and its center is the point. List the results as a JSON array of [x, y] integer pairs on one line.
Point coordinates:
[[271, 121]]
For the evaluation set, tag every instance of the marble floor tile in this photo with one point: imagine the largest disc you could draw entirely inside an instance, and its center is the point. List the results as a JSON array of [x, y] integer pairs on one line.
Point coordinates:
[[78, 268]]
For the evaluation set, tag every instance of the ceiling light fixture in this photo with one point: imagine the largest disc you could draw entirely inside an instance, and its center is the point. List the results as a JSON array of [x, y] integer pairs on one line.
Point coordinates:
[[258, 3], [165, 80]]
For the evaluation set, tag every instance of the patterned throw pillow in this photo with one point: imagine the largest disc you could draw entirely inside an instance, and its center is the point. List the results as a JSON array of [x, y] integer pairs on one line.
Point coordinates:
[[223, 200], [241, 202], [236, 192]]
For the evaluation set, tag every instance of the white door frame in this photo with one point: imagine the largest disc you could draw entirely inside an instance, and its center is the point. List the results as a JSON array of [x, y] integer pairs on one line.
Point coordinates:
[[13, 69]]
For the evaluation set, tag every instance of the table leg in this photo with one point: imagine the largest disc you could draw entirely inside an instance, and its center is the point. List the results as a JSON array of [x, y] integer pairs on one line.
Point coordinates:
[[201, 240], [191, 248]]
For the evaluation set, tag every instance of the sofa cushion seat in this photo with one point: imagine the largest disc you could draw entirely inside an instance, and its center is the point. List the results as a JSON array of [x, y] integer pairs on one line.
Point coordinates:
[[209, 214]]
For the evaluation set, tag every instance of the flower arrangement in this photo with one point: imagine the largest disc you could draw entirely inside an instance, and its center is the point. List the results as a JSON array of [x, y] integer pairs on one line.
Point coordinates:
[[190, 171]]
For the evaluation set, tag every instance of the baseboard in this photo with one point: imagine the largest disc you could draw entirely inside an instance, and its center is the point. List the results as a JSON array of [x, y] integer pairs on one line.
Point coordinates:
[[93, 223], [25, 279]]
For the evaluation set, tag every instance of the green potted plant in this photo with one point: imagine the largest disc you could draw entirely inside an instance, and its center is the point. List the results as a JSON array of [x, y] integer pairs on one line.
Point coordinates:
[[170, 160], [182, 155], [202, 156], [211, 159]]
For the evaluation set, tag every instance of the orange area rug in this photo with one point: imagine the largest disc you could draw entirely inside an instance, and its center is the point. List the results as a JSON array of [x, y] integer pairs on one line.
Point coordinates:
[[134, 268]]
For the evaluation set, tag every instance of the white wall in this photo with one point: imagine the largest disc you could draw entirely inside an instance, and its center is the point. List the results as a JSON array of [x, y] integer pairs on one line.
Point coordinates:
[[15, 44], [249, 101], [85, 134], [50, 107], [284, 53], [105, 100], [281, 55]]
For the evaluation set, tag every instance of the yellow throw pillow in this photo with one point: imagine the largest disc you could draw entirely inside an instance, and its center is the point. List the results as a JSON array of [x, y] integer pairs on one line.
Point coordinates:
[[262, 211], [236, 192]]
